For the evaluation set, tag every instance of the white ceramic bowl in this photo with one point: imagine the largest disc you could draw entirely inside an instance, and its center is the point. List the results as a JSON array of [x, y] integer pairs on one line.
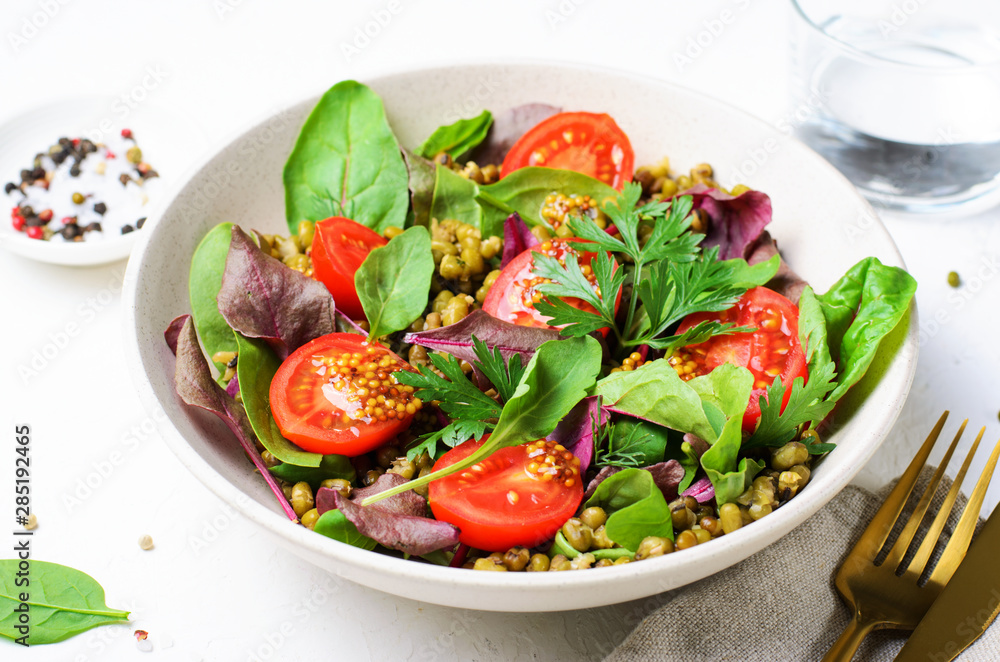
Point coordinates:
[[822, 224]]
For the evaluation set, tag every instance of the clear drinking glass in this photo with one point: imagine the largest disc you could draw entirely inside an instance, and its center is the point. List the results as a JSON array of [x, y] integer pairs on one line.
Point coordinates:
[[903, 96]]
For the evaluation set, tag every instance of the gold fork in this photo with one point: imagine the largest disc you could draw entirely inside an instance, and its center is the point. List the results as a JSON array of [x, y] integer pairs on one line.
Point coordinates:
[[888, 595]]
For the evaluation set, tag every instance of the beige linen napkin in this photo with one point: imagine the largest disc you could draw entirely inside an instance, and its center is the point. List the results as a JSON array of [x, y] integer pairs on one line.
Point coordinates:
[[781, 604]]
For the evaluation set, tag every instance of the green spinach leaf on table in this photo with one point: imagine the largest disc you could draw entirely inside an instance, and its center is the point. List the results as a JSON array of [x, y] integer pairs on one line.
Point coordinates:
[[63, 602], [458, 138], [393, 282], [204, 281], [347, 162]]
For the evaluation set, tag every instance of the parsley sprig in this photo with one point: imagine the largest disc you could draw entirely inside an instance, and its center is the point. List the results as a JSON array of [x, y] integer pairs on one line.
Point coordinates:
[[806, 403], [472, 412], [669, 275]]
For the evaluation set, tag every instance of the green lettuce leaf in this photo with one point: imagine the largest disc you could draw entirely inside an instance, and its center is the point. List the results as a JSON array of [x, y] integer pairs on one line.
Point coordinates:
[[635, 507], [204, 281], [860, 310]]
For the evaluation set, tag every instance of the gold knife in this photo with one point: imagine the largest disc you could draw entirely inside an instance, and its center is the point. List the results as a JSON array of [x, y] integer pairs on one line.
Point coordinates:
[[966, 607]]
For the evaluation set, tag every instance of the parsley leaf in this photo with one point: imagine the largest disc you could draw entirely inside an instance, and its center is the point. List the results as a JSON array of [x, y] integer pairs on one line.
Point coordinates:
[[458, 398], [504, 375], [674, 290], [806, 403], [569, 282], [453, 434]]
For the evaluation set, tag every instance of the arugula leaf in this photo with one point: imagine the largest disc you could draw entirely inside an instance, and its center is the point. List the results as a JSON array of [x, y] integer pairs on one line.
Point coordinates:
[[255, 369], [346, 162], [504, 375], [204, 281], [63, 601], [807, 403], [635, 507], [394, 280], [555, 380], [458, 138]]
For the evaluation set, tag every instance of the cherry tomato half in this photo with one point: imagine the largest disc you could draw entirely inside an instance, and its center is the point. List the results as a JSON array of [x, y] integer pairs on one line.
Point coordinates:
[[338, 249], [589, 143], [519, 495], [512, 297], [773, 350], [337, 395]]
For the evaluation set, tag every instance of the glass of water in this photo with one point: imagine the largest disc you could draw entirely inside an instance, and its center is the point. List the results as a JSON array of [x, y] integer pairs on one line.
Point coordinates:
[[903, 96]]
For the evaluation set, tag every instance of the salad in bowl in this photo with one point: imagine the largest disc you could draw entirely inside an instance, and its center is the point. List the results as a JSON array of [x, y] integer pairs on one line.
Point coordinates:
[[511, 349]]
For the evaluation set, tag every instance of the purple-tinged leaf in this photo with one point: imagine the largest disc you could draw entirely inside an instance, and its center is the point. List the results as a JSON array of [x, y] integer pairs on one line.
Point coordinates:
[[604, 473], [174, 330], [456, 339], [346, 325], [698, 445], [701, 490], [408, 533], [195, 386], [576, 431], [517, 238], [405, 503], [421, 183], [667, 476], [262, 298], [735, 222], [786, 282], [508, 126], [233, 387]]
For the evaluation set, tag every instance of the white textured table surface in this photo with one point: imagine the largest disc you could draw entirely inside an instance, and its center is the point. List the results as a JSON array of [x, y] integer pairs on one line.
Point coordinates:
[[215, 588]]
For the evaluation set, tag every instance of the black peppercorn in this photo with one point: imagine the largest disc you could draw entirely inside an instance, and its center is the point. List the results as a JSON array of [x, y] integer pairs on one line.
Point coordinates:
[[127, 228], [10, 188], [100, 208], [140, 222]]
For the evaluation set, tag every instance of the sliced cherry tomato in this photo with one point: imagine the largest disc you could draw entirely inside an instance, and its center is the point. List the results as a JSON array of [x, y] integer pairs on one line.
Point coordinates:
[[337, 395], [773, 350], [338, 249], [519, 495], [512, 297], [589, 143]]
